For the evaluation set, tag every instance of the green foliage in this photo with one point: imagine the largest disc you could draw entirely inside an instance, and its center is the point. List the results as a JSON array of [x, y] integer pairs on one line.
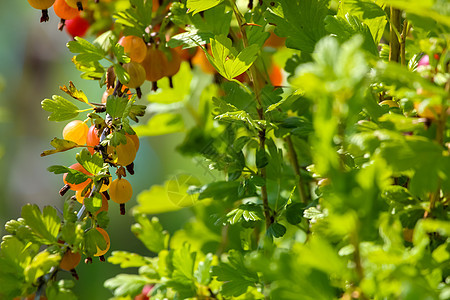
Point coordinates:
[[334, 184]]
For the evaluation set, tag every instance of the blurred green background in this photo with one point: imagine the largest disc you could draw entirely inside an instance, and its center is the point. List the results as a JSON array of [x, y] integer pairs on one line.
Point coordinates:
[[34, 63]]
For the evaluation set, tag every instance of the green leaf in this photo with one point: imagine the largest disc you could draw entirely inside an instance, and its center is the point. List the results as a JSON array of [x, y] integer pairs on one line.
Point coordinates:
[[74, 93], [219, 190], [245, 212], [190, 39], [236, 276], [345, 28], [60, 108], [121, 74], [80, 45], [45, 225], [202, 274], [300, 21], [91, 163], [128, 260], [40, 265], [276, 230], [422, 8], [226, 60], [161, 124], [126, 284], [106, 41], [60, 146], [115, 106], [294, 212], [196, 6], [261, 158], [73, 176], [94, 240], [151, 233]]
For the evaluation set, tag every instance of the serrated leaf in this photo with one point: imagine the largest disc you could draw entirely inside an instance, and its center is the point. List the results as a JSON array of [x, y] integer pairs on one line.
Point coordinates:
[[203, 272], [115, 106], [60, 146], [74, 93], [226, 60], [91, 163], [300, 21], [126, 284], [151, 233], [276, 230], [196, 6], [40, 265], [45, 225], [121, 74], [190, 39], [127, 259], [73, 176], [60, 108]]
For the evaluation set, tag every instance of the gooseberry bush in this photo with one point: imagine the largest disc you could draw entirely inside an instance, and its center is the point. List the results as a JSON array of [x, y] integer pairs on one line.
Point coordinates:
[[325, 126]]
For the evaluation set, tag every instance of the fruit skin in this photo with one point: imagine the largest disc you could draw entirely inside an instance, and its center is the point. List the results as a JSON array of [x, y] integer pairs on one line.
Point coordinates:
[[105, 203], [79, 186], [64, 11], [92, 138], [430, 112], [41, 4], [137, 74], [275, 75], [274, 41], [134, 46], [105, 235], [120, 191], [76, 131], [77, 26], [154, 64], [123, 154], [135, 139], [70, 260], [79, 4], [173, 64]]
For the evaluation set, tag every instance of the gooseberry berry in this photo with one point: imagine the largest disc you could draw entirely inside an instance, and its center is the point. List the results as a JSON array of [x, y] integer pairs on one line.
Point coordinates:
[[137, 76], [64, 11], [154, 64], [135, 139], [76, 131], [70, 260], [77, 26], [173, 65], [200, 60], [92, 138], [105, 235], [134, 46], [79, 186], [79, 4], [120, 191], [123, 154], [275, 75], [42, 5]]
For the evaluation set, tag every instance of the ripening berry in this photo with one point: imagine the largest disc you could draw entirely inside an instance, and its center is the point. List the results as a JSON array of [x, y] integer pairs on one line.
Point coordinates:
[[173, 63], [105, 235], [64, 11], [78, 4], [92, 138], [77, 26], [137, 74], [134, 47], [274, 41], [70, 260], [275, 75], [42, 5], [79, 186], [123, 154], [154, 64], [76, 131], [120, 191], [135, 139]]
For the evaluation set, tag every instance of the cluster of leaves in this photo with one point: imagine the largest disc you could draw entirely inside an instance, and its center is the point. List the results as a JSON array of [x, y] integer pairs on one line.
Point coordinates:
[[320, 189]]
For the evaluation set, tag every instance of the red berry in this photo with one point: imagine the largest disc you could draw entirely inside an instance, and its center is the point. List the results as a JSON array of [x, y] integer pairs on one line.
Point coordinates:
[[77, 26]]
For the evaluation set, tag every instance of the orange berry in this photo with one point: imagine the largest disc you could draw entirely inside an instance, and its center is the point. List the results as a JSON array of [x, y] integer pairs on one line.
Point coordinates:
[[120, 191]]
